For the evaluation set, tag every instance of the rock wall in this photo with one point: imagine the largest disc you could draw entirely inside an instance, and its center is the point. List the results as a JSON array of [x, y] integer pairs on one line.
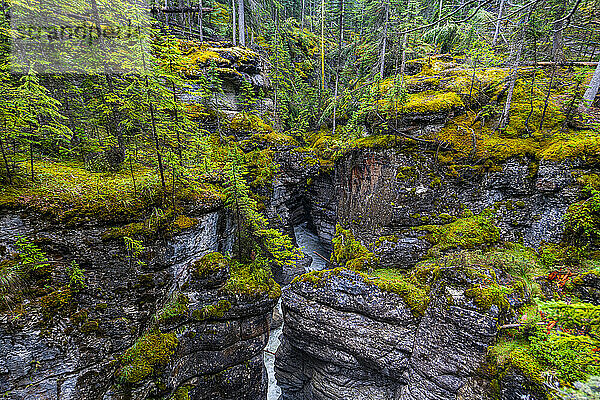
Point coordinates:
[[384, 192], [189, 336], [345, 338]]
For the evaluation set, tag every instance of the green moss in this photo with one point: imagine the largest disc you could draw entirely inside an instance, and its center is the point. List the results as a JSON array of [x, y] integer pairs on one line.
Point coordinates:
[[537, 351], [55, 301], [212, 311], [174, 309], [101, 306], [485, 296], [574, 317], [181, 393], [432, 102], [182, 223], [435, 182], [573, 358], [248, 122], [465, 233], [350, 252], [252, 279], [377, 141], [90, 327], [582, 219], [585, 145], [383, 239], [209, 264], [517, 353], [412, 290], [145, 358], [160, 223], [409, 287], [79, 317], [589, 181], [68, 193]]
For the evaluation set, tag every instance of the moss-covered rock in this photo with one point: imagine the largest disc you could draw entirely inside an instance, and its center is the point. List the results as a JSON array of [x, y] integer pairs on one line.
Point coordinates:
[[465, 233], [350, 252], [146, 357]]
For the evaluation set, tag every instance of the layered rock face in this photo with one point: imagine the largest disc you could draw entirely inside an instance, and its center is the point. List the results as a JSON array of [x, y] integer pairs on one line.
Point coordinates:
[[379, 193], [346, 338], [161, 323]]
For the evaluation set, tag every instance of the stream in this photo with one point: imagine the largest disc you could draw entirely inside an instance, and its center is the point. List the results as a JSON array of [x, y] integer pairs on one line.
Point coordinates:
[[309, 242]]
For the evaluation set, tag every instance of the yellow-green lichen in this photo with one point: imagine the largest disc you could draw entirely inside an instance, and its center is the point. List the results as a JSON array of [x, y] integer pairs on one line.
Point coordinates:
[[55, 301], [485, 296], [209, 264], [145, 358], [350, 252], [464, 233], [252, 279], [212, 311]]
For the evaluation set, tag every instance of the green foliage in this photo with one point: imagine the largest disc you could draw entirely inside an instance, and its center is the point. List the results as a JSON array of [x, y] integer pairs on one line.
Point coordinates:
[[175, 308], [76, 276], [145, 358], [11, 279], [135, 249], [68, 193], [253, 233], [350, 252], [248, 97], [31, 257]]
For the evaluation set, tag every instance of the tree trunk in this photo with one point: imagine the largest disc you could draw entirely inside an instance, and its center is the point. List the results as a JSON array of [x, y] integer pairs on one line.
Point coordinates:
[[156, 141], [505, 118], [338, 62], [498, 20], [233, 23], [546, 101], [323, 45], [557, 37], [403, 62], [200, 16], [592, 90], [8, 174], [241, 23], [384, 43], [31, 160], [302, 16], [441, 5]]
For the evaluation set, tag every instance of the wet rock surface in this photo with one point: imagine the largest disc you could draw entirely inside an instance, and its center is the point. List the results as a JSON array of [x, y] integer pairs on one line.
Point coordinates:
[[346, 338], [73, 350], [391, 193]]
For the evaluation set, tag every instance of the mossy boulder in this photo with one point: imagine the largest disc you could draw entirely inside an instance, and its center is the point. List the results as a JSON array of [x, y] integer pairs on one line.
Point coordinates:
[[210, 270]]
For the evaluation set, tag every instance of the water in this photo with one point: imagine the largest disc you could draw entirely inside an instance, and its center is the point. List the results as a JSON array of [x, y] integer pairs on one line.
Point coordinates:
[[309, 242], [274, 390]]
